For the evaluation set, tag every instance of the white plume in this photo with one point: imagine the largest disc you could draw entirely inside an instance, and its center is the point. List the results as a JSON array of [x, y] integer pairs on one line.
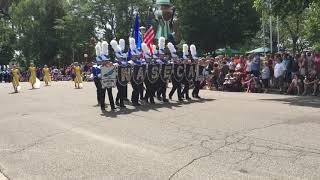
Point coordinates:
[[162, 43], [145, 48], [105, 48], [114, 44], [132, 43], [122, 44], [171, 48], [154, 49], [185, 49], [193, 50], [98, 49]]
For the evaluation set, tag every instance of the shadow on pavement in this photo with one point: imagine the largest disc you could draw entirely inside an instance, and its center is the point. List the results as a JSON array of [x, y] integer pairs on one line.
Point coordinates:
[[299, 101], [153, 107]]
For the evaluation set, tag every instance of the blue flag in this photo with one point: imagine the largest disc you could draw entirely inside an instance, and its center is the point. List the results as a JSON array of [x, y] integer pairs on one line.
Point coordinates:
[[136, 33]]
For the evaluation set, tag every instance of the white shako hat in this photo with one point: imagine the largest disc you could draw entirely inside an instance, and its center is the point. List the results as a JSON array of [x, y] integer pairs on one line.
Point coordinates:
[[172, 50], [185, 50], [116, 48], [162, 45], [193, 51], [146, 51]]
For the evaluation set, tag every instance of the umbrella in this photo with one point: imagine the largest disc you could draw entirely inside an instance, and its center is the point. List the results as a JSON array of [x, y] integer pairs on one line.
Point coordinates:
[[259, 50], [228, 51]]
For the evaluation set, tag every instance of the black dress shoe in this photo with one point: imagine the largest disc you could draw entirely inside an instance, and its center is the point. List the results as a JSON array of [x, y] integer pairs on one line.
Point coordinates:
[[123, 106], [103, 109], [117, 103], [166, 100], [170, 97], [113, 108], [136, 104], [188, 98], [198, 97], [180, 100]]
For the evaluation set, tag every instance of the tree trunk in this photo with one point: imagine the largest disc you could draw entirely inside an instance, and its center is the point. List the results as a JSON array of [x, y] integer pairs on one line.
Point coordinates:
[[294, 45]]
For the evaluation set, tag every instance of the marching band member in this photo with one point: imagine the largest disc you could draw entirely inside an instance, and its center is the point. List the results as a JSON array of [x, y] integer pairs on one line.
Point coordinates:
[[122, 44], [176, 84], [78, 78], [96, 72], [150, 87], [162, 60], [118, 50], [32, 77], [15, 78], [137, 87], [196, 82], [46, 75], [106, 63], [185, 82]]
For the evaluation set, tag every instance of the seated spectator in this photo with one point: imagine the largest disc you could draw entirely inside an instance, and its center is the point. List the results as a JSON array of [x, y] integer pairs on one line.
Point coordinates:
[[246, 84], [311, 82], [295, 85]]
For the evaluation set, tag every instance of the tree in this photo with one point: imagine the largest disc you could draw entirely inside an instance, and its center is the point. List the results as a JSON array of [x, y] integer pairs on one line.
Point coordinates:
[[74, 31], [7, 42], [312, 24], [291, 15], [217, 23], [34, 22], [115, 18]]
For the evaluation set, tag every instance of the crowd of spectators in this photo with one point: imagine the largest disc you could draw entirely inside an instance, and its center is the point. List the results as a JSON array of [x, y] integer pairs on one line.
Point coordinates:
[[252, 73], [256, 73]]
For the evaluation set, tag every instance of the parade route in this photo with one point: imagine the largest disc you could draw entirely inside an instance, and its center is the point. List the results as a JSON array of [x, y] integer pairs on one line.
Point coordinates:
[[58, 132]]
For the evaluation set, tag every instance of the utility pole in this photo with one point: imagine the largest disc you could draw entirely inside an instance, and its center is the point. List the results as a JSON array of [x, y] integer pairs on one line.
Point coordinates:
[[264, 32], [278, 34], [271, 40]]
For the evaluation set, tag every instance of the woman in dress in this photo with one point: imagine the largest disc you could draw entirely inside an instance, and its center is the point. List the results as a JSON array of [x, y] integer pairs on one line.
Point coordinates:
[[77, 73], [46, 75], [33, 77], [15, 78]]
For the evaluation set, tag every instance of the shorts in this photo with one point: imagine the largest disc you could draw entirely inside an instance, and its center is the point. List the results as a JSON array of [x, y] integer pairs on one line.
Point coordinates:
[[265, 83], [278, 82]]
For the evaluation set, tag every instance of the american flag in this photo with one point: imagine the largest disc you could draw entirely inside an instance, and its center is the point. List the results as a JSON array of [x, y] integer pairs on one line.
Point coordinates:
[[149, 35]]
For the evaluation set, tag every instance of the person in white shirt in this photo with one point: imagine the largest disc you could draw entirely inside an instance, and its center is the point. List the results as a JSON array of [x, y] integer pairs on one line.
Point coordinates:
[[265, 76], [279, 74]]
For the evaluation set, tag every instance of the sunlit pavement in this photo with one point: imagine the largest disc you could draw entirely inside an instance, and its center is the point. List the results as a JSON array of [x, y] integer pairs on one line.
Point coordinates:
[[57, 132]]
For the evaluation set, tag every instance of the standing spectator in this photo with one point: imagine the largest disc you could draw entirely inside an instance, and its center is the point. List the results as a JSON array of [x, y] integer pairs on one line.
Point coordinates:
[[255, 65], [248, 65], [295, 65], [279, 74], [265, 75], [302, 64], [310, 63], [317, 63]]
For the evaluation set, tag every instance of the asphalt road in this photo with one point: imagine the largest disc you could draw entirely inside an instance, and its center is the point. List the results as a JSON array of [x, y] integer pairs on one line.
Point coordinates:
[[57, 132]]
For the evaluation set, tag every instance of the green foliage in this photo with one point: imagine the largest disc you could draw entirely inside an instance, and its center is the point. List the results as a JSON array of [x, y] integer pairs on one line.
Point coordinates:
[[34, 22], [312, 24], [215, 23], [7, 42]]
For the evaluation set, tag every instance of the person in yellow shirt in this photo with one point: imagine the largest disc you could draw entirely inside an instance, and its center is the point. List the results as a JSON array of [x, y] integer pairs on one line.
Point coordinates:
[[33, 75], [15, 78], [46, 75], [77, 73]]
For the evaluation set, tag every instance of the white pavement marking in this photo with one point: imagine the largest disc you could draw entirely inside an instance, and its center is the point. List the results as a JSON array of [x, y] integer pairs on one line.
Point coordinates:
[[2, 177]]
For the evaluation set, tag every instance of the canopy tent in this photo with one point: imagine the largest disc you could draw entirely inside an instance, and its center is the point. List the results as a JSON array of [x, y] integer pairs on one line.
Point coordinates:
[[227, 51], [259, 50]]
